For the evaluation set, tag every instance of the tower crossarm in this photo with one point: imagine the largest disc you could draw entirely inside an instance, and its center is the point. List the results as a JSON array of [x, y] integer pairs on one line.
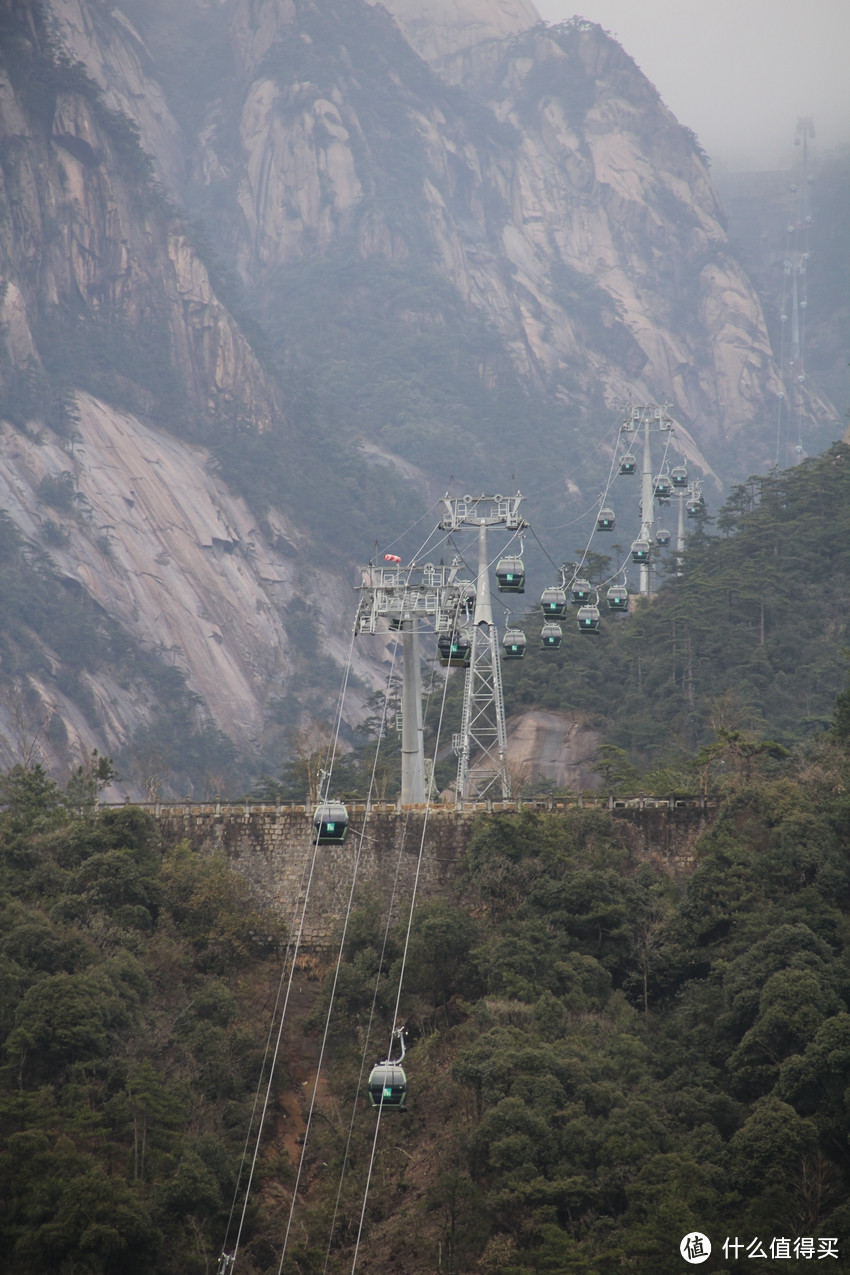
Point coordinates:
[[398, 593], [488, 511]]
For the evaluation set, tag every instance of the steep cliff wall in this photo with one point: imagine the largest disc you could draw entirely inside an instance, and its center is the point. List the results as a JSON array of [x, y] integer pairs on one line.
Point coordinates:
[[562, 200], [464, 240], [112, 341]]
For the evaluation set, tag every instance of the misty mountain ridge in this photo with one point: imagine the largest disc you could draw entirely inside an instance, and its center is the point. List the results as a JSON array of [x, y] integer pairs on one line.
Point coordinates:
[[273, 272]]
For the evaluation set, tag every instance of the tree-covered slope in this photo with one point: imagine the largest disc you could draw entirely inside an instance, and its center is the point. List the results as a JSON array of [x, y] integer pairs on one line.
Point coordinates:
[[605, 1051], [606, 1055], [750, 636], [132, 978]]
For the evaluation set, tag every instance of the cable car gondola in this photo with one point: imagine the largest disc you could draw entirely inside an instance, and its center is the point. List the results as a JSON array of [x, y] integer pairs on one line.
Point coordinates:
[[588, 619], [606, 520], [693, 508], [513, 644], [388, 1086], [679, 477], [330, 823], [551, 636], [662, 487], [454, 648], [553, 601], [618, 598], [662, 537], [628, 464], [640, 551], [510, 575], [387, 1082], [581, 592]]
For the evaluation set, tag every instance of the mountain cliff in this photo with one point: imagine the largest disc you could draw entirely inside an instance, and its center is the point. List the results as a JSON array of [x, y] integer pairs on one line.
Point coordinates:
[[272, 272]]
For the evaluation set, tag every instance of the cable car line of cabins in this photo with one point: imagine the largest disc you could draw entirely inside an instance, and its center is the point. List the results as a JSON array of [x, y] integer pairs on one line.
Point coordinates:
[[387, 1083]]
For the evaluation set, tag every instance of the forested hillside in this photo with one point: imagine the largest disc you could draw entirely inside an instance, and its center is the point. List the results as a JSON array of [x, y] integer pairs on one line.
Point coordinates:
[[747, 634], [133, 982], [604, 1053]]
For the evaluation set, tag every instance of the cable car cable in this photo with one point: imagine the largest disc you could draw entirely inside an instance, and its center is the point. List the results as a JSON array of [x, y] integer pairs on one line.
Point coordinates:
[[293, 963], [400, 986], [390, 913], [264, 1063], [354, 874]]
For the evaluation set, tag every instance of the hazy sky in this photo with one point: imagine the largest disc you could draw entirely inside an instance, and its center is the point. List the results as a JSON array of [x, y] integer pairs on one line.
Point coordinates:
[[738, 72]]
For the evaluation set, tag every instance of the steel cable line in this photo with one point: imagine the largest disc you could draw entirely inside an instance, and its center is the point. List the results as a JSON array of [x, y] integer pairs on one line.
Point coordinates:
[[400, 987], [429, 511], [600, 503], [231, 1258], [783, 325], [368, 1034], [367, 1040], [601, 500], [258, 1090], [340, 954]]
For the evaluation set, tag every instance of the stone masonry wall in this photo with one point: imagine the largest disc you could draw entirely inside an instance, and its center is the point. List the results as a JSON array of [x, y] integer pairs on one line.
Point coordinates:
[[271, 846]]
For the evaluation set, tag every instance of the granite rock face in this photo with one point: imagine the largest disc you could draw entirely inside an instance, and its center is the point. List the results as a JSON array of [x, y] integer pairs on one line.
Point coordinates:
[[536, 172], [587, 231]]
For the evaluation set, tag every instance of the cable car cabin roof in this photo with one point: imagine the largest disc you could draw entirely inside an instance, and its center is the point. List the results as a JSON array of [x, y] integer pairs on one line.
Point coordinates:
[[628, 464], [510, 575], [679, 476], [640, 551], [618, 597], [581, 590], [553, 601], [662, 536], [606, 520], [387, 1085], [692, 508], [588, 619], [330, 823]]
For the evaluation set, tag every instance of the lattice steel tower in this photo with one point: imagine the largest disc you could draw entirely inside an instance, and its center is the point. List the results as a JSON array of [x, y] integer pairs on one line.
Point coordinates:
[[481, 745]]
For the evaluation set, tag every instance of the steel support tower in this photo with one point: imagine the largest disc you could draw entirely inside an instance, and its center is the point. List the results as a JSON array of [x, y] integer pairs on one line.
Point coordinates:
[[481, 745], [646, 417], [401, 597]]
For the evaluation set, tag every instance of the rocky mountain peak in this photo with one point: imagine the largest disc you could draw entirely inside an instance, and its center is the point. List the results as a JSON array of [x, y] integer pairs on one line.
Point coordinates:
[[440, 29], [272, 272]]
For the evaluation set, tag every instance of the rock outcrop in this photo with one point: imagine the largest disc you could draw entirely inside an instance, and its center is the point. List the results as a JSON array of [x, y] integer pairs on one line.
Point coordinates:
[[583, 226], [520, 189]]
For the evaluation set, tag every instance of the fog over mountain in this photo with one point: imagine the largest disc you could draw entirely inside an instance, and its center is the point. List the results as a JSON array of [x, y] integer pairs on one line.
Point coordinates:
[[738, 74], [274, 275]]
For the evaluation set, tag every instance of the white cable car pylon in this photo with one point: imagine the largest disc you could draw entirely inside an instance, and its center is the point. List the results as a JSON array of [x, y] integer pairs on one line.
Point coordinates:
[[404, 595], [646, 417], [482, 744], [794, 302]]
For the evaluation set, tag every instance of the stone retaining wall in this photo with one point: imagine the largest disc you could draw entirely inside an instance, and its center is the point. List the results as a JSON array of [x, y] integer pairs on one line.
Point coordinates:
[[272, 847]]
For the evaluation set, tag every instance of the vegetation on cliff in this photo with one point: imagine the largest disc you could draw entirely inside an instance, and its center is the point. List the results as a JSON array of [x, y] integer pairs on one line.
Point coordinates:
[[608, 1054], [748, 637], [605, 1051], [132, 976]]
